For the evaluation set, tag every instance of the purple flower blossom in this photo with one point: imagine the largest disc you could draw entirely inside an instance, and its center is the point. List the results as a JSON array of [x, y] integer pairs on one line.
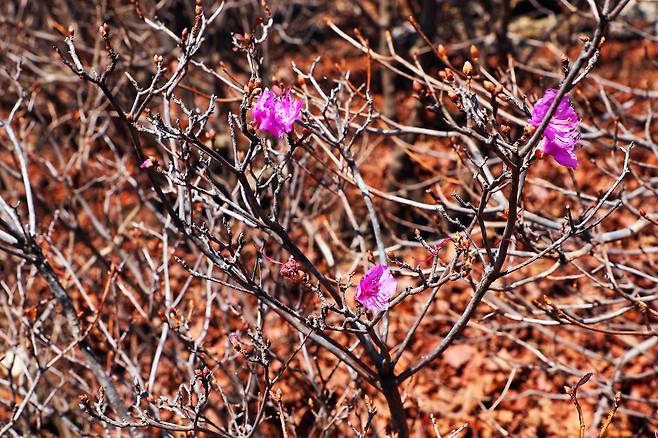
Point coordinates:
[[148, 163], [376, 288], [276, 114], [563, 130]]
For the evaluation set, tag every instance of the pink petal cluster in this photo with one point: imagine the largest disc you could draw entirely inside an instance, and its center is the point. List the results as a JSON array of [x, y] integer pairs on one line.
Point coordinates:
[[563, 130], [276, 114], [148, 163], [376, 288], [292, 270]]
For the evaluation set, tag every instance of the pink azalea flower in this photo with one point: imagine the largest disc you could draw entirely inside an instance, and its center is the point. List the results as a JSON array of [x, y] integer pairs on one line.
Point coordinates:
[[563, 130], [276, 114], [376, 288], [147, 163]]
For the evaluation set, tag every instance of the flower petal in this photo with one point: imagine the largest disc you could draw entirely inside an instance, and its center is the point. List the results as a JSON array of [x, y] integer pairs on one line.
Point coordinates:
[[276, 114], [376, 288], [563, 130]]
